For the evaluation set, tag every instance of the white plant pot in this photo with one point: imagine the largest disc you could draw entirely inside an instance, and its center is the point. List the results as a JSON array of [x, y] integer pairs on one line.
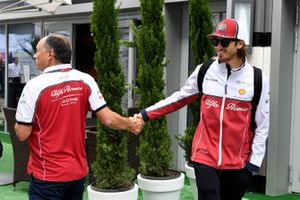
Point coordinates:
[[161, 189], [190, 173], [131, 194]]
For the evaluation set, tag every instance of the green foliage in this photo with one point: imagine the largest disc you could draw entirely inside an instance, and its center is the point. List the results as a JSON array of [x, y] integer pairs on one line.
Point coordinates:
[[185, 141], [154, 151], [111, 168], [200, 27]]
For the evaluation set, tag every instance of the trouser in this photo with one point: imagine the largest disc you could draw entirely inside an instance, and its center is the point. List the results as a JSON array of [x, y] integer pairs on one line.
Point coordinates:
[[215, 184], [46, 190]]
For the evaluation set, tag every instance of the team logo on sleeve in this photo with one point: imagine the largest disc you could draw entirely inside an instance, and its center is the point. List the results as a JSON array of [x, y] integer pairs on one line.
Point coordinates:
[[22, 99], [100, 95], [267, 101]]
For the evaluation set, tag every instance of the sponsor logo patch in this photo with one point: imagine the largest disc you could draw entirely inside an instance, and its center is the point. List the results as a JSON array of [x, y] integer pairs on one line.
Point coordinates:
[[242, 91], [222, 27], [67, 89]]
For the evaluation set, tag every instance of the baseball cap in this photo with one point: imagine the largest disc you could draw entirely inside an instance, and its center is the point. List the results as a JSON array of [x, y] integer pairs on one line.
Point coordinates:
[[229, 28]]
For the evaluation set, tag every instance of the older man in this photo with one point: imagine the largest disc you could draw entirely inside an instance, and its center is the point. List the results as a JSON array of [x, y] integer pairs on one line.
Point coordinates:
[[51, 114]]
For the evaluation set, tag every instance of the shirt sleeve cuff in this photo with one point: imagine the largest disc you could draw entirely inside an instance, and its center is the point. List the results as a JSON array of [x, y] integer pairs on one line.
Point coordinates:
[[252, 167], [144, 115]]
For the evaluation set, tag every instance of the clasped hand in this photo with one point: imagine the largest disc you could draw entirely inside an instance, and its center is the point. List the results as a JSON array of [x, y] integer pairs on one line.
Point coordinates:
[[138, 123]]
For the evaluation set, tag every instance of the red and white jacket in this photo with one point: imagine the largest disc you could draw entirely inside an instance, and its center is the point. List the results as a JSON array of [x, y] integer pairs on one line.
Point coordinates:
[[223, 138]]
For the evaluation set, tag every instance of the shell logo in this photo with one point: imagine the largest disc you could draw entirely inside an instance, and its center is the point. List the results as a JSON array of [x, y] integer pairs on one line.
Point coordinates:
[[242, 91]]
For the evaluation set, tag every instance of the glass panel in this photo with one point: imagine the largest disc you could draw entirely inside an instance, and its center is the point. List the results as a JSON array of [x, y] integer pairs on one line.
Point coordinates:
[[22, 44], [22, 40], [123, 55], [2, 62], [2, 73], [63, 28]]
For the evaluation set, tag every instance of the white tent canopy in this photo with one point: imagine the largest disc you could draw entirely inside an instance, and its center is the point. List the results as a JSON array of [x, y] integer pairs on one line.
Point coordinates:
[[49, 6]]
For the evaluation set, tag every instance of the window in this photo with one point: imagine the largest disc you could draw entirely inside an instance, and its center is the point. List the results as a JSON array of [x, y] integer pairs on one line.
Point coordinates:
[[22, 40]]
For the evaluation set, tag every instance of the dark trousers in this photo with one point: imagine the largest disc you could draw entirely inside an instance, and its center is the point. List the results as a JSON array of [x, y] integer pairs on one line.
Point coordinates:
[[215, 184], [45, 190]]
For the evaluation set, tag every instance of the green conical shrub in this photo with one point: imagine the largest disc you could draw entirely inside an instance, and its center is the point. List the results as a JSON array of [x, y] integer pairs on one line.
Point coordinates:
[[111, 168], [155, 143]]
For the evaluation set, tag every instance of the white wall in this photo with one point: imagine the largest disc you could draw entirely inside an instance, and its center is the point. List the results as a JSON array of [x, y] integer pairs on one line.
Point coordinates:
[[261, 58], [177, 50]]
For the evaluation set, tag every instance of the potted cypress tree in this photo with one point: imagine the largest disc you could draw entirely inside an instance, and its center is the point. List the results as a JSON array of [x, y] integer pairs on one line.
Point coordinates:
[[113, 176], [202, 49], [155, 144]]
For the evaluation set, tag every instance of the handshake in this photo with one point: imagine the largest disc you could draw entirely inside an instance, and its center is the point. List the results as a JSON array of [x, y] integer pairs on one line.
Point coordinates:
[[137, 123]]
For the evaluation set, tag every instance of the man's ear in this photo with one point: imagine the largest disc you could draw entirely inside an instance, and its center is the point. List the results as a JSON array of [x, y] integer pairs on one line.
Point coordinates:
[[51, 53], [240, 44]]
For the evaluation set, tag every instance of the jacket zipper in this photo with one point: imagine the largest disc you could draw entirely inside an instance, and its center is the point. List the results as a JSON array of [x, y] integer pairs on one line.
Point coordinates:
[[221, 127], [221, 118]]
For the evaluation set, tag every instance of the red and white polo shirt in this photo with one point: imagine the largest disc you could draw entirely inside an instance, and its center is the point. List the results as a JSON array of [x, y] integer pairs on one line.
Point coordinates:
[[56, 104]]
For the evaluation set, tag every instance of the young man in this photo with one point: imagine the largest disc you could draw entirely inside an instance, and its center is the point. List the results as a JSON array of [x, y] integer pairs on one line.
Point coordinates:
[[226, 147], [51, 114], [15, 71]]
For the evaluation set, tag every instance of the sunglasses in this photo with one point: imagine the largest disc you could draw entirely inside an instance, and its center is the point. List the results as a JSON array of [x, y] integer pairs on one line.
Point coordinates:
[[224, 42]]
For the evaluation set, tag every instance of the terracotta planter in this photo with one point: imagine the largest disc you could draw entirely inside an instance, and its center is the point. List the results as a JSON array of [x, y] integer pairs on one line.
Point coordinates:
[[168, 189], [190, 173], [131, 194]]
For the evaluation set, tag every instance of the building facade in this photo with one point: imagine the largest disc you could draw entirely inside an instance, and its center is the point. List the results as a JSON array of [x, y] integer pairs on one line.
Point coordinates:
[[273, 43]]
